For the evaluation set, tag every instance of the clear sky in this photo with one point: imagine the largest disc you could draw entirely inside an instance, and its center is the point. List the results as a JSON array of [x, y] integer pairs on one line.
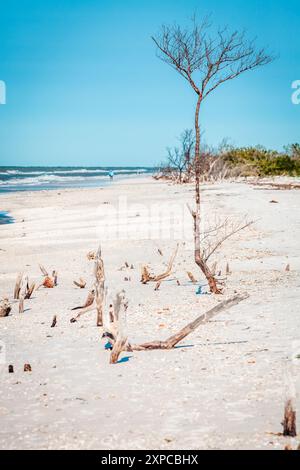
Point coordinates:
[[84, 86]]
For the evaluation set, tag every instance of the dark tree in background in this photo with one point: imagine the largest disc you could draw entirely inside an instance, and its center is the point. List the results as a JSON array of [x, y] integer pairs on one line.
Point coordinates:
[[206, 61], [181, 157]]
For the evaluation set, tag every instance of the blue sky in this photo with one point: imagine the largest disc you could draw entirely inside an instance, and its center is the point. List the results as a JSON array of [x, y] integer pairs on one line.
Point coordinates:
[[84, 86]]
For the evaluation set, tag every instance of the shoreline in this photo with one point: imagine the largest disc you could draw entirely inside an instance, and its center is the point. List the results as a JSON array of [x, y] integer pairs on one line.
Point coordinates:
[[223, 390]]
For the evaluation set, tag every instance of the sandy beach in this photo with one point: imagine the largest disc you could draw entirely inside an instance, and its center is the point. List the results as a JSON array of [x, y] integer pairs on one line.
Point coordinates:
[[224, 390]]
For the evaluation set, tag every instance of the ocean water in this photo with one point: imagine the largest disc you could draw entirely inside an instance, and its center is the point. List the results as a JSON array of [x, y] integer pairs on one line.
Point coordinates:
[[38, 178]]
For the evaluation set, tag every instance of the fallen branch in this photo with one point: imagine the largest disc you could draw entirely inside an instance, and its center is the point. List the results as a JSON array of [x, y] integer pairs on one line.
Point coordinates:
[[146, 276], [203, 318]]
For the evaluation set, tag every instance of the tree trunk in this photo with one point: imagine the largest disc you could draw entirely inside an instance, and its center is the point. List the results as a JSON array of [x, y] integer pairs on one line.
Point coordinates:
[[197, 249], [180, 176]]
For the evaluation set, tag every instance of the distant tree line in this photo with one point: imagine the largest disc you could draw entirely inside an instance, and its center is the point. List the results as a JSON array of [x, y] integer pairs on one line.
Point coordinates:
[[227, 161]]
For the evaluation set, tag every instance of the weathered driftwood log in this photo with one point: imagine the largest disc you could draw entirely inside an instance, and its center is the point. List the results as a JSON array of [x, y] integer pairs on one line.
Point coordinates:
[[5, 308], [99, 286], [18, 286], [115, 330], [203, 318], [81, 283], [120, 342], [146, 276], [289, 420]]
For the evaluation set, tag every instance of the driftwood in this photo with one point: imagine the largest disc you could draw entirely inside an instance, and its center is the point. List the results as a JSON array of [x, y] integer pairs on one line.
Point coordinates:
[[289, 420], [29, 290], [48, 282], [118, 347], [81, 283], [44, 271], [5, 308], [91, 255], [146, 276], [277, 185], [99, 286], [120, 342], [115, 330], [89, 301], [18, 286], [191, 277], [203, 318], [54, 276]]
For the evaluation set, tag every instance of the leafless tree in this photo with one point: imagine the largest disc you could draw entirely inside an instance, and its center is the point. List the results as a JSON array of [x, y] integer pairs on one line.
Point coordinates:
[[176, 161], [206, 62], [180, 158]]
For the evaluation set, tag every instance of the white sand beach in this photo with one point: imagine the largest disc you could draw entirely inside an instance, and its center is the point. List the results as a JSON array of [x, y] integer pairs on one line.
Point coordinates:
[[224, 390]]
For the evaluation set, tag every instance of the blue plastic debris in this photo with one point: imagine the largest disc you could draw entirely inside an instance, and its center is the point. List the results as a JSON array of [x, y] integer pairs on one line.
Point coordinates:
[[199, 290], [108, 346]]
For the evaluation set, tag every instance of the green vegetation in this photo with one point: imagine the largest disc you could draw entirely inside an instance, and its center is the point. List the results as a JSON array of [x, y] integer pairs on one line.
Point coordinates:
[[258, 161]]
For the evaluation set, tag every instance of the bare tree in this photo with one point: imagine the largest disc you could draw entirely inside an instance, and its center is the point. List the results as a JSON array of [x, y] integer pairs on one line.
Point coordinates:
[[176, 161], [206, 62], [180, 158]]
